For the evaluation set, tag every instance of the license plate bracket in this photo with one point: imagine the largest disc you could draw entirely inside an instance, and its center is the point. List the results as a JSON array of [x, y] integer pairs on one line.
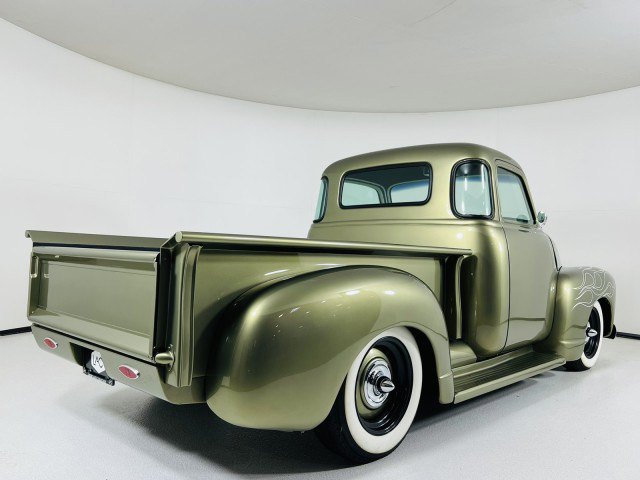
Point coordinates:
[[94, 367]]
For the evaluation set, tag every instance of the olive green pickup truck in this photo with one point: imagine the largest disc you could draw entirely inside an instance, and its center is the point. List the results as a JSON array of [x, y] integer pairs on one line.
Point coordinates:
[[426, 274]]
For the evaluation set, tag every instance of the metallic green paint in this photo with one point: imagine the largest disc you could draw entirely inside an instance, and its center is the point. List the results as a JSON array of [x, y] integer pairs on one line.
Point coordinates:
[[578, 289], [151, 376], [225, 270], [482, 377], [264, 329], [289, 345], [461, 354], [99, 295], [83, 239], [484, 276]]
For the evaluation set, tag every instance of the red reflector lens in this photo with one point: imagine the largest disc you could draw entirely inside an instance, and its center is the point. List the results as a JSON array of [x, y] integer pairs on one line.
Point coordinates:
[[129, 372], [50, 343]]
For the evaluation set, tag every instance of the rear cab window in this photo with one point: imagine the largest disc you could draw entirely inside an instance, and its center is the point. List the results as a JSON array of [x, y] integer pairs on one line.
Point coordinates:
[[391, 185]]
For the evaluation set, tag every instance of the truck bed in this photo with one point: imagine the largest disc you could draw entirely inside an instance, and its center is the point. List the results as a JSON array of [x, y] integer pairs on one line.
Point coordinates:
[[145, 296]]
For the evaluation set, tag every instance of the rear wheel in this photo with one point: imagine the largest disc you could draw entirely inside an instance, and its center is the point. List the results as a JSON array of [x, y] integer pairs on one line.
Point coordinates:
[[378, 400], [593, 343]]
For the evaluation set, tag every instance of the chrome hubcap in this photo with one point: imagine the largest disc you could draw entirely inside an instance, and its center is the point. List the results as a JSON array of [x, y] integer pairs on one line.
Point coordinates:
[[384, 385], [377, 383], [591, 332]]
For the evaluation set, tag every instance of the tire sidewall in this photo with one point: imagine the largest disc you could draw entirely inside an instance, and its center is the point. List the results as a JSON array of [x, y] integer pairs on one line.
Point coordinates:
[[383, 444], [590, 362]]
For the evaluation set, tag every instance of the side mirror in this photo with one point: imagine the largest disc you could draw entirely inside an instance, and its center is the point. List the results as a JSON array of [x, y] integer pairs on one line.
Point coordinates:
[[542, 217]]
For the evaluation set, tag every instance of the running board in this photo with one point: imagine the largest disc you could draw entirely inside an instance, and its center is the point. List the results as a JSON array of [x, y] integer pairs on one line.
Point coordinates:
[[482, 377]]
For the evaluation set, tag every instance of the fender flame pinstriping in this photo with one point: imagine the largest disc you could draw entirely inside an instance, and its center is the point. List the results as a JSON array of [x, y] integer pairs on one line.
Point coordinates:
[[595, 285]]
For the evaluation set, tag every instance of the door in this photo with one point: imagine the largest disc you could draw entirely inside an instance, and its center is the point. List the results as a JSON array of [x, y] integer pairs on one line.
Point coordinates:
[[532, 269]]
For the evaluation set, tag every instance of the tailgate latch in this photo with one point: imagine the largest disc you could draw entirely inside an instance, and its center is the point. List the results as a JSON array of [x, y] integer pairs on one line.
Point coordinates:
[[165, 358]]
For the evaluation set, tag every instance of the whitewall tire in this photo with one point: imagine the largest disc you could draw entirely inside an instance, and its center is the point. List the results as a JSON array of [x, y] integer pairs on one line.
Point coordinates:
[[378, 400], [593, 343]]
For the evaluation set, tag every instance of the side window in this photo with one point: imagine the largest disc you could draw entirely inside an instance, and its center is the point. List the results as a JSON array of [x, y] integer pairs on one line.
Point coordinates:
[[514, 205], [321, 206], [472, 190]]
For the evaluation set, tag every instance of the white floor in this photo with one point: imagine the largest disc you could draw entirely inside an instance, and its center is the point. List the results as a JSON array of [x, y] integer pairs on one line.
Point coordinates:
[[57, 423]]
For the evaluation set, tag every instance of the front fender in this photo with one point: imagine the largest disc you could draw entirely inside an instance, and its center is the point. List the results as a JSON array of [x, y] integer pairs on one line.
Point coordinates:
[[289, 345], [578, 289]]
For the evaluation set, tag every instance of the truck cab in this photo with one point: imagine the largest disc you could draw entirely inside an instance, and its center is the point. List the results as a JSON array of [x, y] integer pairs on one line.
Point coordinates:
[[461, 195]]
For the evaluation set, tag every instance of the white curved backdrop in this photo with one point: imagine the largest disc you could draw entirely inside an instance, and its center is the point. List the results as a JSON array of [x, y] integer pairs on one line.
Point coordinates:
[[86, 147]]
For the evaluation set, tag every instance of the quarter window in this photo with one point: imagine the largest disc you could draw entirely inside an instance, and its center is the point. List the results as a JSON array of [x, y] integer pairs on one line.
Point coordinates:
[[472, 190], [387, 186], [321, 206], [514, 205]]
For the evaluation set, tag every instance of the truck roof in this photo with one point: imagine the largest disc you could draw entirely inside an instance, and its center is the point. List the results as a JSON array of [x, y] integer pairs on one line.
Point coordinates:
[[432, 153], [442, 157]]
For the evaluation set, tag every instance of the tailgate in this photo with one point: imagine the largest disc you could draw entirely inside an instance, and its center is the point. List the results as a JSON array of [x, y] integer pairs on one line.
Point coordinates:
[[102, 294]]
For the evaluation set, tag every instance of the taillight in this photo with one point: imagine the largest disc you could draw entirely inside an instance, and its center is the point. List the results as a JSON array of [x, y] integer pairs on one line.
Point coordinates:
[[129, 372], [50, 343]]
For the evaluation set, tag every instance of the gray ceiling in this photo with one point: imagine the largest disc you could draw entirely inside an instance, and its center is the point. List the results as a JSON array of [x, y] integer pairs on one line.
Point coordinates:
[[357, 55]]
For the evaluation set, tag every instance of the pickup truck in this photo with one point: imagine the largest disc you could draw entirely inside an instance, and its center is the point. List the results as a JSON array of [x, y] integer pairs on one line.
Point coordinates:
[[425, 275]]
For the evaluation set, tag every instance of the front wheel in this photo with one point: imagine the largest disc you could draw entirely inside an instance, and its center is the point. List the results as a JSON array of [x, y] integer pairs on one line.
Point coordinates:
[[378, 400], [593, 342]]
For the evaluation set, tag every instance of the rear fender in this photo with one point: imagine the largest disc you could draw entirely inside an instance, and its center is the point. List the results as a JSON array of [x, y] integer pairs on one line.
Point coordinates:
[[288, 345], [578, 289]]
